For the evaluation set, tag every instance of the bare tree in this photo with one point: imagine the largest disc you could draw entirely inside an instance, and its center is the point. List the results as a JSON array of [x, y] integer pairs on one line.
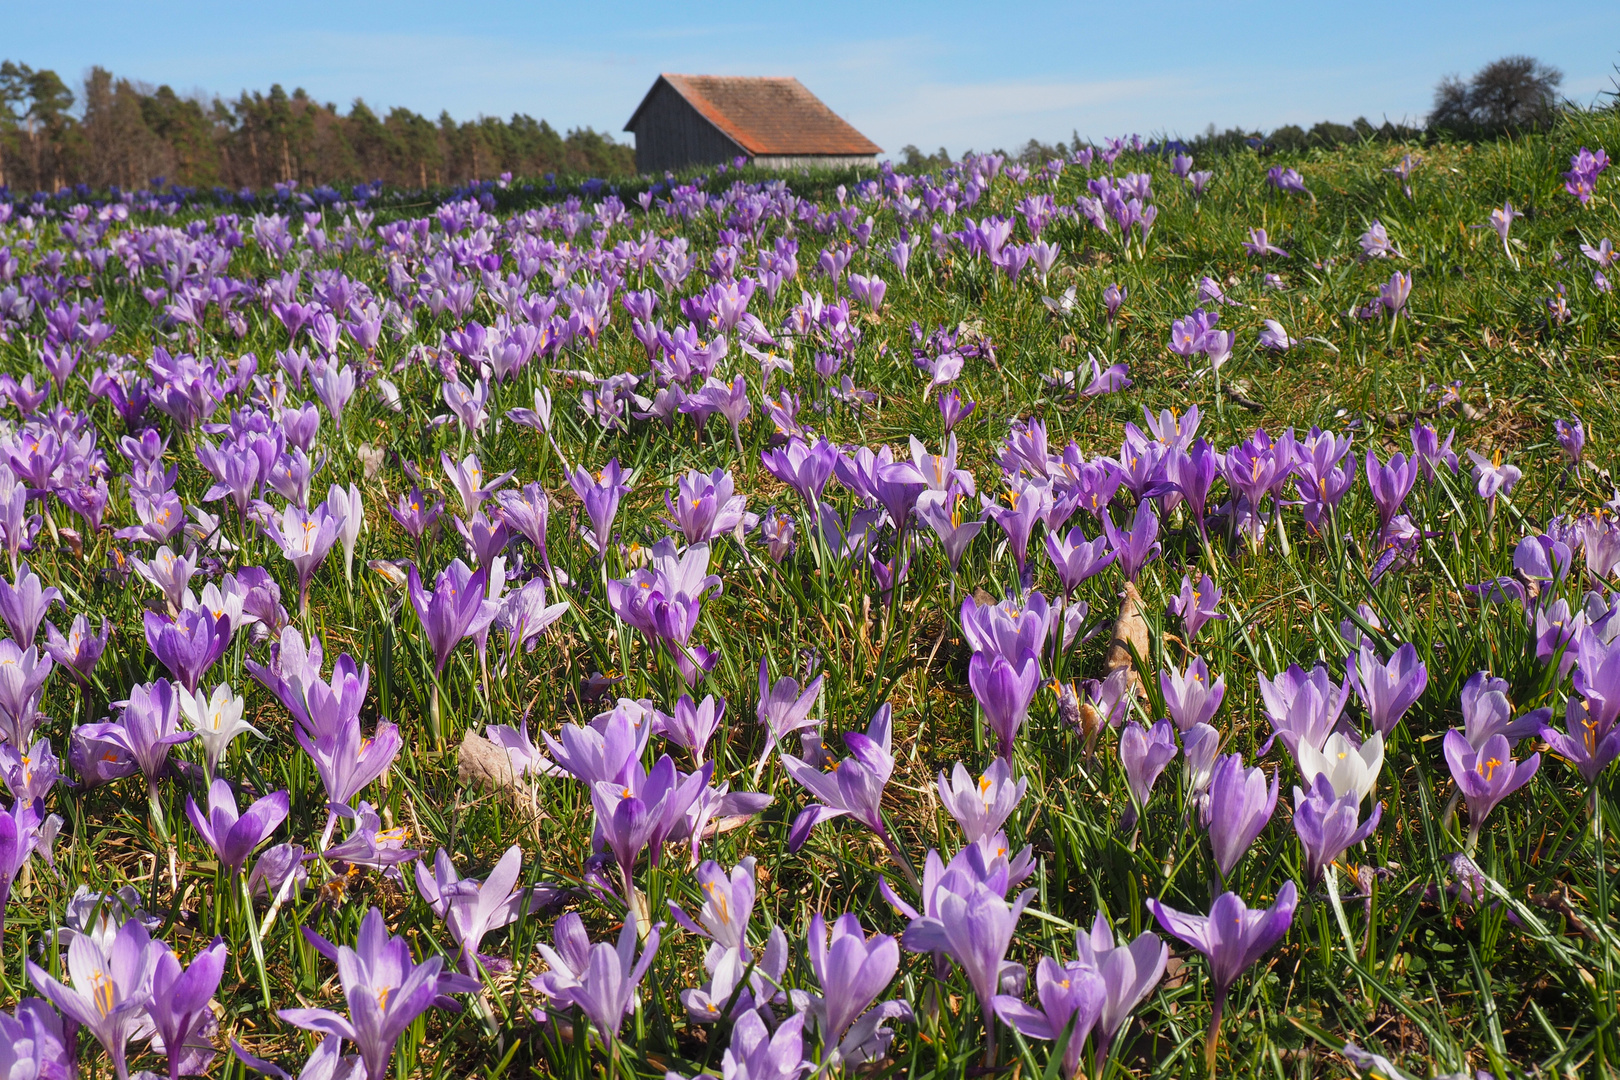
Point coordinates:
[[1511, 94]]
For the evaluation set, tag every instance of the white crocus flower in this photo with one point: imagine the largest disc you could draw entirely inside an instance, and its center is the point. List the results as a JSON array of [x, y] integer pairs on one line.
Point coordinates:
[[217, 719], [1347, 768]]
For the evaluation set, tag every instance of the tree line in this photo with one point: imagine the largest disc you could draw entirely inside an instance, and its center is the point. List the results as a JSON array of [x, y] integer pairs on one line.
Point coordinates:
[[118, 132]]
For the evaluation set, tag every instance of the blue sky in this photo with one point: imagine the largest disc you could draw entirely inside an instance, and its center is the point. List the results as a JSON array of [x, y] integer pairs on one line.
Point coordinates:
[[959, 75]]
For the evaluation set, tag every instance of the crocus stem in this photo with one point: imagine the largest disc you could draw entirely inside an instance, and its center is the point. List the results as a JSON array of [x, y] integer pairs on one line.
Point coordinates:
[[326, 835], [433, 716], [989, 1037], [1213, 1039]]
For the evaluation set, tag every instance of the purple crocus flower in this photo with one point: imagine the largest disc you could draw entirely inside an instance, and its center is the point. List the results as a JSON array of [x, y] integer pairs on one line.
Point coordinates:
[[1011, 628], [1075, 558], [1329, 825], [608, 750], [346, 762], [1005, 689], [646, 811], [369, 845], [1231, 937], [469, 481], [953, 410], [1587, 742], [78, 651], [852, 970], [941, 511], [1571, 435], [1259, 243], [757, 1053], [305, 537], [603, 986], [1301, 707], [1191, 695], [29, 772], [110, 990], [852, 786], [1239, 807], [22, 684], [783, 708], [1393, 294], [1485, 776], [601, 495], [693, 724], [1145, 752], [980, 807], [233, 838], [1428, 451], [1488, 711], [1196, 605], [525, 614], [414, 513], [386, 990], [35, 1042], [1138, 546], [1070, 998], [804, 468], [148, 727], [1542, 558], [25, 605], [188, 645], [1030, 503], [1129, 971], [705, 506], [449, 611], [525, 511], [1387, 690], [22, 832], [974, 930], [179, 1006], [471, 909], [1390, 484]]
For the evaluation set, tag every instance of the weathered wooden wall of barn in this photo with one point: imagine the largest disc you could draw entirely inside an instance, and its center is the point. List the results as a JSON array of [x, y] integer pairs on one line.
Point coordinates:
[[815, 161], [671, 135]]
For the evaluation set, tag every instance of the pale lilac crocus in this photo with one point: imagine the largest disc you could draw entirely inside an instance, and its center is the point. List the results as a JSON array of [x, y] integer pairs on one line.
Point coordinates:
[[1259, 243], [600, 494], [980, 807], [1329, 824], [853, 785], [1191, 695], [1232, 937], [386, 990], [1196, 605], [1069, 998], [1130, 971], [471, 908], [851, 971], [1144, 753], [1485, 776], [231, 836], [1275, 337], [1491, 477], [1387, 689], [1240, 804], [784, 708], [25, 605], [180, 1007], [109, 990]]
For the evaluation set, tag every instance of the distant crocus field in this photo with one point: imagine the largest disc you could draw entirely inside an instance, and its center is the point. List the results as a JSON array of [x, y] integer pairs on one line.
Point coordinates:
[[1122, 616]]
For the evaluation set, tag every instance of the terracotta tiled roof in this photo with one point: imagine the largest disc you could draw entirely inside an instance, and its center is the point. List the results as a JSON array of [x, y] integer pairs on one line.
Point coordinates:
[[768, 115]]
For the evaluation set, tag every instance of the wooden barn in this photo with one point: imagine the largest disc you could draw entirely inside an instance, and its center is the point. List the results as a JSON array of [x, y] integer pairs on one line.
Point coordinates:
[[696, 120]]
